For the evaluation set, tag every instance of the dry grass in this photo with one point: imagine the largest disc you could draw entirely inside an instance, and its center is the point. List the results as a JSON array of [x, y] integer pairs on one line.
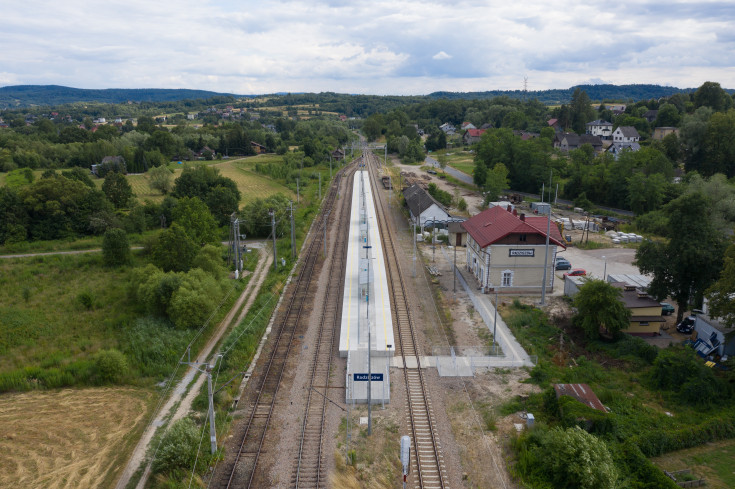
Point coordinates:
[[252, 185], [74, 438]]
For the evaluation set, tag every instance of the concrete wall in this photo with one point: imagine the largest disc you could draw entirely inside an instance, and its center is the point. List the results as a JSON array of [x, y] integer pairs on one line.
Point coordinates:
[[490, 264]]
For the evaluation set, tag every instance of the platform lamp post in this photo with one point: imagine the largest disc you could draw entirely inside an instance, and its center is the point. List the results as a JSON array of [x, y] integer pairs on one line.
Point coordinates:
[[604, 273], [495, 321]]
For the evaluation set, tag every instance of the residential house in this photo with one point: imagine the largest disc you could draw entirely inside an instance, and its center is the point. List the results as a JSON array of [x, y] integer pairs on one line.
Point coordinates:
[[507, 251], [600, 128], [525, 135], [448, 129], [468, 125], [423, 207], [661, 132], [616, 109], [554, 124], [616, 148], [472, 136], [258, 148], [645, 311], [626, 134], [650, 116], [191, 117], [338, 154], [569, 140]]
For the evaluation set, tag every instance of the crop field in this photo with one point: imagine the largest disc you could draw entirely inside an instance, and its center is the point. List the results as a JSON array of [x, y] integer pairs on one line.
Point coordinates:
[[44, 321], [75, 438], [251, 184], [713, 462]]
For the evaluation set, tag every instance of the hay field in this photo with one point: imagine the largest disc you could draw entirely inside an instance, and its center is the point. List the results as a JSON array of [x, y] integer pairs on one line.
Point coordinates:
[[69, 438], [252, 185]]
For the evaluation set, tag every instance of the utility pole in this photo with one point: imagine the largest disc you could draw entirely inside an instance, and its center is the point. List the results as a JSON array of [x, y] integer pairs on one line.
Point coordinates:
[[495, 321], [273, 232], [454, 271], [208, 372], [546, 252], [413, 235], [293, 233], [326, 219], [320, 186]]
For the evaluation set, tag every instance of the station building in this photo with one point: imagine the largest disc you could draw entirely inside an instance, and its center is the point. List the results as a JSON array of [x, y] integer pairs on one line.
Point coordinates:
[[505, 250]]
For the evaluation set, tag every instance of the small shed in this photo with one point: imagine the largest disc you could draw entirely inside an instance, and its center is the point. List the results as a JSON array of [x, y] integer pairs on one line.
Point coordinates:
[[457, 234], [580, 392], [572, 285], [540, 207]]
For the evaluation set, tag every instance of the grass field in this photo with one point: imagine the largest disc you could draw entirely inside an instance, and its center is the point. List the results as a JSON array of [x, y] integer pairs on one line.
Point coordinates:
[[252, 185], [75, 438], [462, 161], [714, 462], [43, 319]]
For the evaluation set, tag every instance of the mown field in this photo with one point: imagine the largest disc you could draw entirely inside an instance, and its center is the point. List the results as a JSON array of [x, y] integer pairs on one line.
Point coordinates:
[[714, 462], [463, 161], [252, 185], [75, 438]]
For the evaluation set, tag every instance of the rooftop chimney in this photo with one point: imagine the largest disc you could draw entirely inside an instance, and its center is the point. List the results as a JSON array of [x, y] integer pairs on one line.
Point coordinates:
[[515, 212], [509, 209], [523, 216]]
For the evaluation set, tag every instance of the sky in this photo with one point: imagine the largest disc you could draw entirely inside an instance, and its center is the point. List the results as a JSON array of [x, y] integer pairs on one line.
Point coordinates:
[[400, 47]]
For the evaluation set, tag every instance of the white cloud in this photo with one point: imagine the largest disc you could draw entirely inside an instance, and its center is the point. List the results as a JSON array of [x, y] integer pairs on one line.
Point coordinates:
[[382, 47]]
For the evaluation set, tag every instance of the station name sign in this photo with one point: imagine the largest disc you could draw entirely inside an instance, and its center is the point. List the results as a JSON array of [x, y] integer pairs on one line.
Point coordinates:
[[365, 377], [524, 252]]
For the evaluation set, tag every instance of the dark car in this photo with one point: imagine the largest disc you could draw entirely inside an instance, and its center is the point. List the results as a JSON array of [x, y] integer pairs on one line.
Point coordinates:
[[686, 326], [563, 264], [577, 272], [667, 309]]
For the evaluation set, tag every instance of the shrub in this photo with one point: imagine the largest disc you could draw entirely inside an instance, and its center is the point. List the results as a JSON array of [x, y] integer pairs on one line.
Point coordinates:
[[178, 448], [110, 366], [154, 346], [574, 458], [86, 300], [462, 204]]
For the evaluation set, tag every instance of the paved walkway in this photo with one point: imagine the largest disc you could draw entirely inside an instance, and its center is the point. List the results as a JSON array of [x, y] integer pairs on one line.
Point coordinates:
[[513, 353], [462, 177]]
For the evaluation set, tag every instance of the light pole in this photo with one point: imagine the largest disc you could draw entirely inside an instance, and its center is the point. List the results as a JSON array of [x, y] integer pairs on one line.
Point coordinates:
[[495, 321], [604, 273]]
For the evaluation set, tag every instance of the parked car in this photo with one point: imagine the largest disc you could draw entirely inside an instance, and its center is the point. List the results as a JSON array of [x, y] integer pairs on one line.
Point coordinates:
[[577, 272], [686, 326], [667, 309], [563, 264]]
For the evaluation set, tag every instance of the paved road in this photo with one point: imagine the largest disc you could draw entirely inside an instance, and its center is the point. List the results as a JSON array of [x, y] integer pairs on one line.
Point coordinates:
[[462, 177]]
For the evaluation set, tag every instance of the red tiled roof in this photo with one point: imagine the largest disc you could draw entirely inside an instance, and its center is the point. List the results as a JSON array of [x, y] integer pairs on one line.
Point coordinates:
[[476, 133], [495, 223], [551, 122], [580, 392]]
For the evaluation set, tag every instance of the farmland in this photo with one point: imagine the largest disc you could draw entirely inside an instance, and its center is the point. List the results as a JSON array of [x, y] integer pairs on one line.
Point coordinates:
[[76, 438]]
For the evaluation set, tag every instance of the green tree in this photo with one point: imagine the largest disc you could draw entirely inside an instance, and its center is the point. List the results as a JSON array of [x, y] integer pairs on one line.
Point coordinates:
[[719, 145], [194, 300], [194, 217], [581, 111], [599, 309], [117, 189], [721, 294], [115, 248], [160, 178], [668, 116], [711, 94], [496, 181], [373, 127], [174, 250], [576, 459], [689, 262]]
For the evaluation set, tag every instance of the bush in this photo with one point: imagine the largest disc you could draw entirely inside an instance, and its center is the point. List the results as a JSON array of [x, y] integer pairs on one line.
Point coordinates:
[[154, 346], [462, 204], [110, 366], [178, 448]]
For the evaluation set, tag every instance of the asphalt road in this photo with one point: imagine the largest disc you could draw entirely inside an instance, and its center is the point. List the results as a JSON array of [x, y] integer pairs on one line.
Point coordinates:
[[462, 177], [598, 262]]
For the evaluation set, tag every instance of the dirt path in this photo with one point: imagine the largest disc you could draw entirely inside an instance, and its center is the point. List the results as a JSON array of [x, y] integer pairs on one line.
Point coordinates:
[[72, 252], [175, 401]]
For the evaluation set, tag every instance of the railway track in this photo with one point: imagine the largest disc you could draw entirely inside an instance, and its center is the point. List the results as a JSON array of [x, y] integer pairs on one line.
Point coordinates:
[[239, 469], [309, 467], [427, 462]]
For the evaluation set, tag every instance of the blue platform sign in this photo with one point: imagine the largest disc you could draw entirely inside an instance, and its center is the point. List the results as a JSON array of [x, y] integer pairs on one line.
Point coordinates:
[[364, 377]]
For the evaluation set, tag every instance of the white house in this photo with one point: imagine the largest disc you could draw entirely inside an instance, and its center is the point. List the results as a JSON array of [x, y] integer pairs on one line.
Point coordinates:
[[600, 128], [506, 250], [616, 148], [423, 207], [625, 134]]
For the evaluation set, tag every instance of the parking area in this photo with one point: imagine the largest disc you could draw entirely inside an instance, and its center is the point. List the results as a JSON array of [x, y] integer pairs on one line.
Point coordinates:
[[619, 261]]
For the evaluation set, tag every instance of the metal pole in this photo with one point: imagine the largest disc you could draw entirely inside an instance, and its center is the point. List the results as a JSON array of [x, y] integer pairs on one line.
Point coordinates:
[[556, 194], [454, 271], [413, 234], [212, 430], [604, 273], [273, 231], [320, 186], [546, 252], [293, 241], [495, 321], [325, 233]]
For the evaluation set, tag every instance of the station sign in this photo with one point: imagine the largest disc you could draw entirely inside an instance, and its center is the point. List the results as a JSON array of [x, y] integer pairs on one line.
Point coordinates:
[[364, 377], [522, 252]]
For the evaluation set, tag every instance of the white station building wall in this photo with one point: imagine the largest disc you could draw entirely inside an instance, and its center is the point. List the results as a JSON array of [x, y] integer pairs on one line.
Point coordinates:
[[353, 334]]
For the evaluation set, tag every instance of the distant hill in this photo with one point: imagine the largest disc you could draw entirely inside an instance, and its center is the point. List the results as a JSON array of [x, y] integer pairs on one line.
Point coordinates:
[[30, 95], [563, 96]]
